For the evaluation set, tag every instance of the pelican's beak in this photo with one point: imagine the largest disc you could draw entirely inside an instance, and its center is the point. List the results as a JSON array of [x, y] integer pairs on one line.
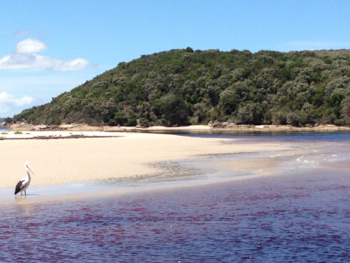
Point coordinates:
[[30, 169]]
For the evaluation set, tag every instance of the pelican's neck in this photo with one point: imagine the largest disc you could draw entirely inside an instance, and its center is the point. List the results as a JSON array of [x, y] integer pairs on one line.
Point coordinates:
[[28, 174]]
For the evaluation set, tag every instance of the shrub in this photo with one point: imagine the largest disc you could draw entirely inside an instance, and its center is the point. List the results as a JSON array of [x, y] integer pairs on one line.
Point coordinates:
[[339, 122], [251, 113], [346, 110], [293, 119], [131, 122], [120, 118], [112, 122], [279, 118], [173, 110]]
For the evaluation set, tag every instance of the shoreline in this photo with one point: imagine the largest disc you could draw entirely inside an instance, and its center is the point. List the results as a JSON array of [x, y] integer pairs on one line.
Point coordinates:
[[125, 155], [110, 192], [191, 128]]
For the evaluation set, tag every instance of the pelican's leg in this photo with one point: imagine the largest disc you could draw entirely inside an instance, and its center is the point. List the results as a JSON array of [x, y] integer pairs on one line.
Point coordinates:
[[21, 193], [25, 192]]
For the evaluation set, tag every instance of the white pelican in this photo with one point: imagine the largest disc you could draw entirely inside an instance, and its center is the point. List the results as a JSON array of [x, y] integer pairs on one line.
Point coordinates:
[[23, 184]]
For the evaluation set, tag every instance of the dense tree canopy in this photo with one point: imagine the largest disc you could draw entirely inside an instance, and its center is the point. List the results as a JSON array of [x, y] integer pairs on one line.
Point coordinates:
[[181, 87]]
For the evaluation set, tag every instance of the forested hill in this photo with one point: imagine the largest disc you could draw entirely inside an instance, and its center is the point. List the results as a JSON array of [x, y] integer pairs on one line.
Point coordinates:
[[181, 87]]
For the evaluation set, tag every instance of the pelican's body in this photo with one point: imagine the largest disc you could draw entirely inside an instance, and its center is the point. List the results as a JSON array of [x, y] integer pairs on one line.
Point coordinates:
[[23, 184]]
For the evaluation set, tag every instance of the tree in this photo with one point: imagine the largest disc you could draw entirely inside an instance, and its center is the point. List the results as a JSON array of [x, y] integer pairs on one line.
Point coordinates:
[[228, 101], [251, 113], [173, 110], [346, 110]]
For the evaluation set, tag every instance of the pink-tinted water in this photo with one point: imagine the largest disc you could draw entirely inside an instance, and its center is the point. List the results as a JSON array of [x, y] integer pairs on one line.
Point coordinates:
[[297, 219], [302, 215]]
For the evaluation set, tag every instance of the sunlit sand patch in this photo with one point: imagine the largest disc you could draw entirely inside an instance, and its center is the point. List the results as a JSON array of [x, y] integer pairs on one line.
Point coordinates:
[[144, 158], [74, 160]]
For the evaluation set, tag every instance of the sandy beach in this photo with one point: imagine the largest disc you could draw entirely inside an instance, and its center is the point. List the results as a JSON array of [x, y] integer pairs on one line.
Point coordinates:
[[115, 156], [251, 212]]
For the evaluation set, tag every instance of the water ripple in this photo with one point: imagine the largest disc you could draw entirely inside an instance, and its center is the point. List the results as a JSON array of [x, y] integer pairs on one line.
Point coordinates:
[[271, 220]]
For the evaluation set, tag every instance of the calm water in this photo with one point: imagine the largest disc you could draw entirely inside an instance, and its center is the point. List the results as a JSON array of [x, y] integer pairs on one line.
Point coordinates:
[[299, 213]]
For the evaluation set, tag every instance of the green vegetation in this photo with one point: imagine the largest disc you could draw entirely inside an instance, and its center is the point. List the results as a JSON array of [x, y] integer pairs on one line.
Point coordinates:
[[18, 132], [181, 87], [4, 133]]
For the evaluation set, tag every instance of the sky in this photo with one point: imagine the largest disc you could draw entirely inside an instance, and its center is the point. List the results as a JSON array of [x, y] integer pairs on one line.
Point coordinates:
[[50, 47]]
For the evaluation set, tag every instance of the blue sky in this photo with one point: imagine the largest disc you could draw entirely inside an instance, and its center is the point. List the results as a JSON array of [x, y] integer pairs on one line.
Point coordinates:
[[49, 47]]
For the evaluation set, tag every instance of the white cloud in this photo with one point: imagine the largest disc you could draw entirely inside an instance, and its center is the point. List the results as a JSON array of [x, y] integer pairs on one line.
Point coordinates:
[[21, 33], [41, 85], [30, 46], [45, 32], [27, 57], [7, 99]]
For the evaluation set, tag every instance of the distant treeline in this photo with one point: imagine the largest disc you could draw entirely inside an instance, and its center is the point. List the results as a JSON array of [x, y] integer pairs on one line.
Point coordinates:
[[181, 87]]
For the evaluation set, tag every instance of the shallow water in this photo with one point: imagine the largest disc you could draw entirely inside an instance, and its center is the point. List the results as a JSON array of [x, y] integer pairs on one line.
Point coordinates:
[[298, 213], [269, 219]]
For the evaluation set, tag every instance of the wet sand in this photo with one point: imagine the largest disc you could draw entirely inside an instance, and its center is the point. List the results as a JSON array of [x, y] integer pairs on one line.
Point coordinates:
[[125, 155]]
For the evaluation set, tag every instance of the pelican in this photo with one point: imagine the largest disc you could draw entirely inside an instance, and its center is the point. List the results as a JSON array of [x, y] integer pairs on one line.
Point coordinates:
[[23, 184]]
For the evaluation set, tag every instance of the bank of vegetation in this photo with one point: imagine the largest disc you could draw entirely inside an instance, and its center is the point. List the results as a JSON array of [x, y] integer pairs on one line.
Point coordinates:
[[181, 87]]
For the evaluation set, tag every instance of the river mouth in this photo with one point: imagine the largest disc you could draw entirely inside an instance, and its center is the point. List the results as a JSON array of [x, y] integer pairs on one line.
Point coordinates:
[[200, 170], [291, 205], [300, 216]]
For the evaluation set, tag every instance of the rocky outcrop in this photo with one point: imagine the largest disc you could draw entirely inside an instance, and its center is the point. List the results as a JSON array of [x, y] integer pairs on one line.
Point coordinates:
[[276, 128], [228, 125]]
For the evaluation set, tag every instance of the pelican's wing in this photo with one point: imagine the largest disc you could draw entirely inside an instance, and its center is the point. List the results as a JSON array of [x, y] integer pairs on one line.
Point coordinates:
[[19, 186]]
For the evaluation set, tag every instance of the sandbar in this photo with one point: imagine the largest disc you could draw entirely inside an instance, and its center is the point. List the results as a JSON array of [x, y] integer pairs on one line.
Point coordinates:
[[118, 155]]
